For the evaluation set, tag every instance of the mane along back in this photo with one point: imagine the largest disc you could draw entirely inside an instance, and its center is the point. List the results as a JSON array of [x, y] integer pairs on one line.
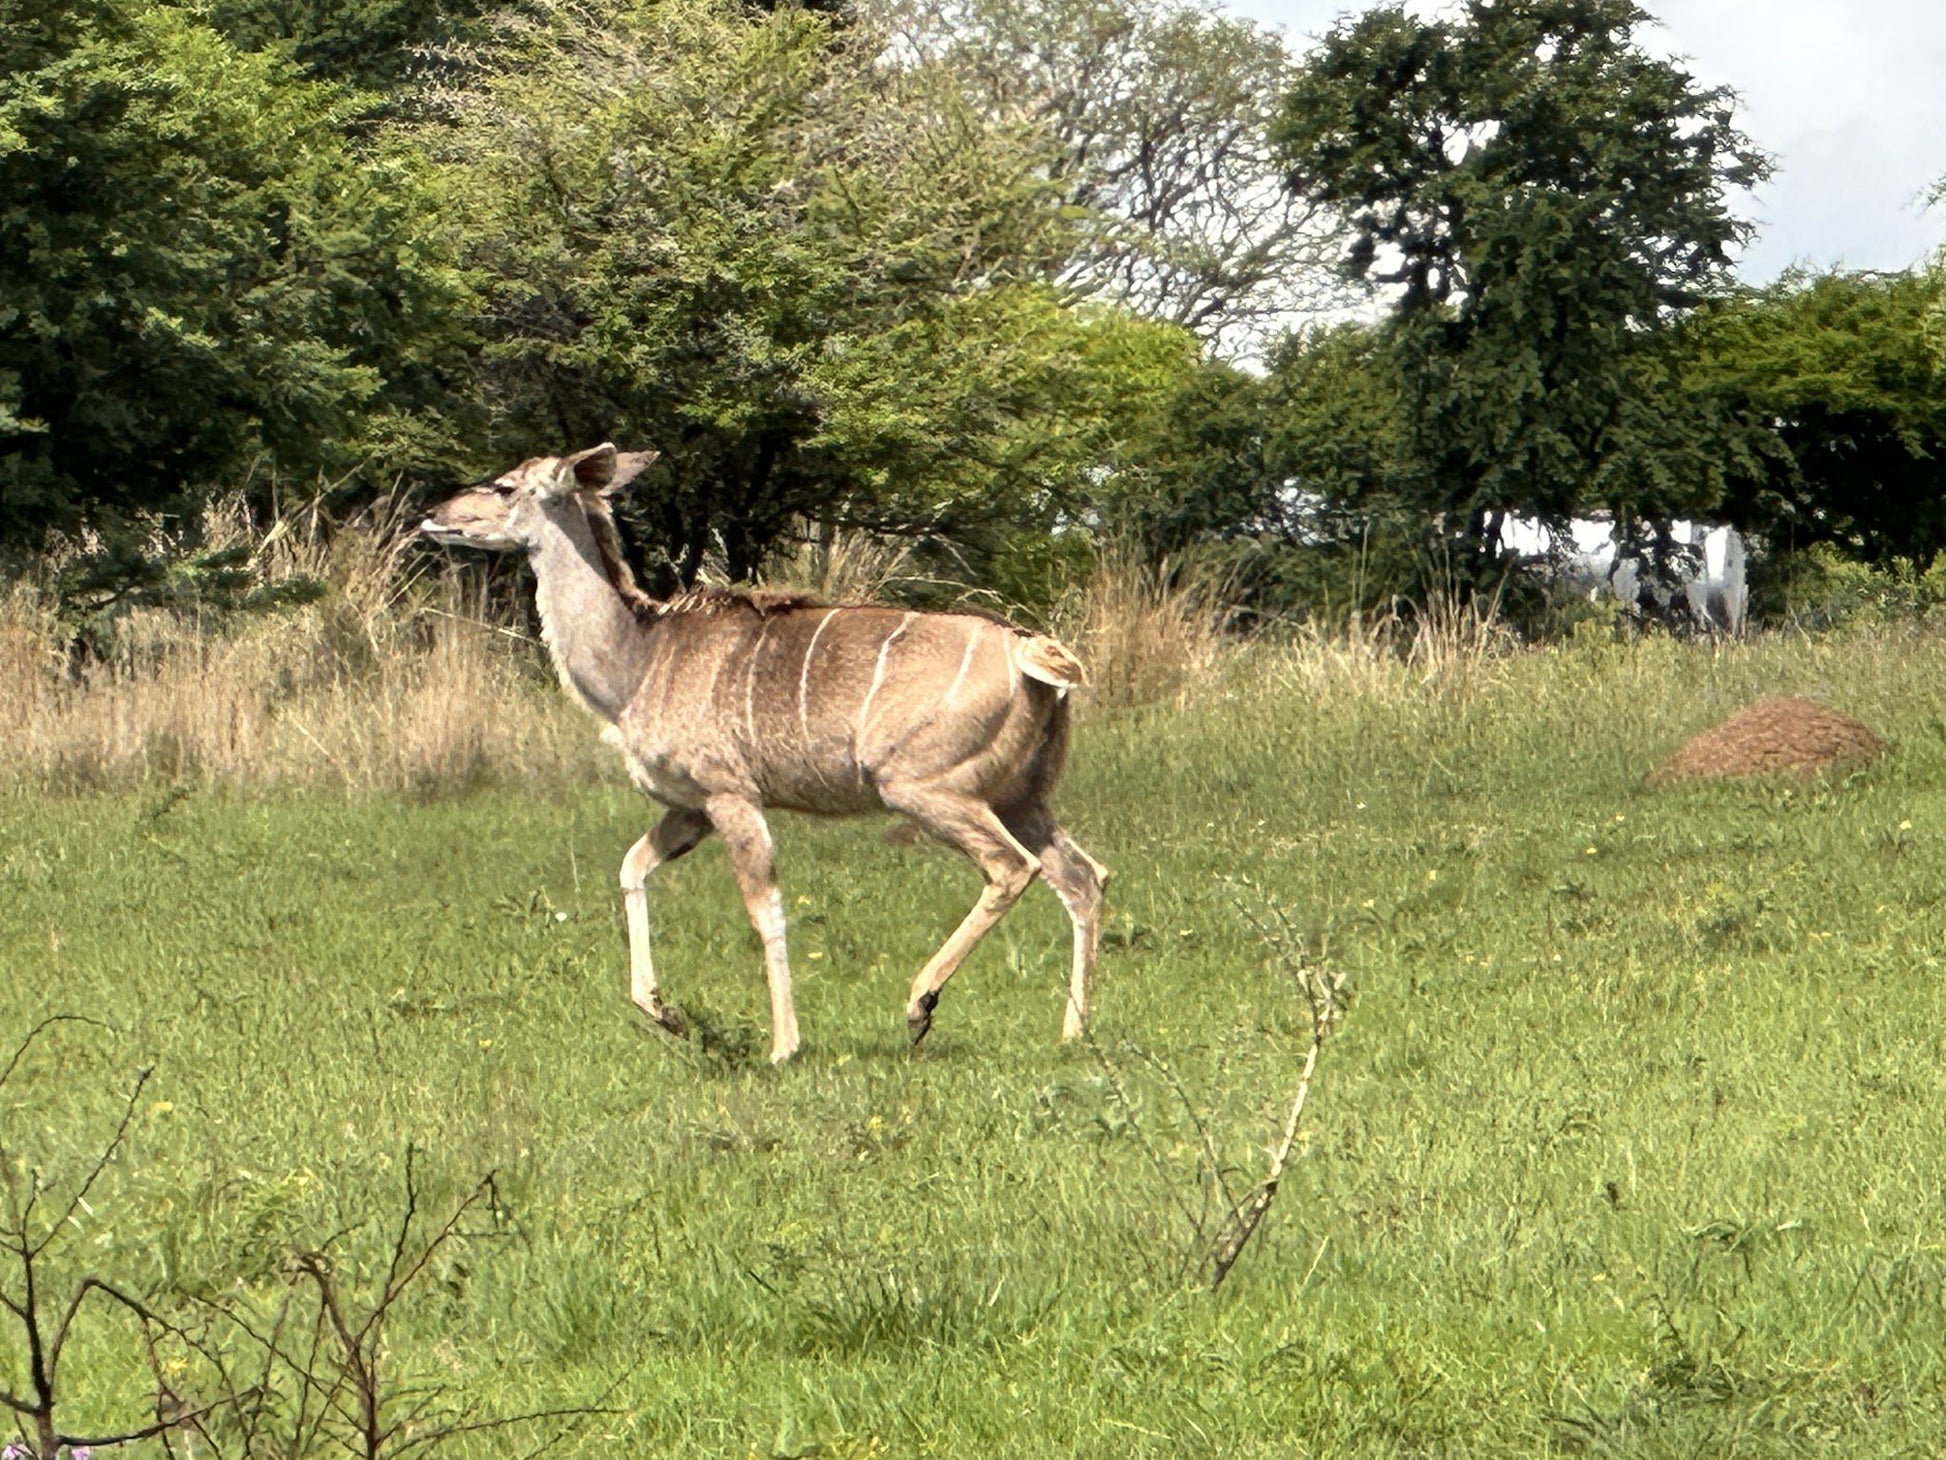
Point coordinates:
[[614, 564], [761, 601]]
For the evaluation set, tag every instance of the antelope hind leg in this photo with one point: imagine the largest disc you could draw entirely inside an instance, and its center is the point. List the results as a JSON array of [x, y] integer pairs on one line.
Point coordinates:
[[675, 835], [1008, 867], [1078, 880]]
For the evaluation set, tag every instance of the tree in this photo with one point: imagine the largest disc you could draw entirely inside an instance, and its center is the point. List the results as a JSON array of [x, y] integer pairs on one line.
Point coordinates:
[[1545, 199], [198, 276], [1157, 114], [816, 283], [1295, 479], [375, 45], [1842, 374], [1338, 426], [1194, 466]]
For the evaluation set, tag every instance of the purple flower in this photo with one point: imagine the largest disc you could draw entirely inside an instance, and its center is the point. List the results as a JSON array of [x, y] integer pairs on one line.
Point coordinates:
[[14, 1451]]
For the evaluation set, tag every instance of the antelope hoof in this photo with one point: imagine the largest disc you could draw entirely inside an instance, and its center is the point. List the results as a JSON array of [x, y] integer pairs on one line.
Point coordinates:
[[919, 1019], [668, 1016], [782, 1056]]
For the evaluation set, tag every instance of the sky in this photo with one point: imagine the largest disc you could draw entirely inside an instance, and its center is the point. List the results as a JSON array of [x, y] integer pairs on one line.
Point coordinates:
[[1850, 101]]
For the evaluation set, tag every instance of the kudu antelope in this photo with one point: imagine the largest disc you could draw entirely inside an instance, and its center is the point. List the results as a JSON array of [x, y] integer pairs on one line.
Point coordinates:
[[725, 704]]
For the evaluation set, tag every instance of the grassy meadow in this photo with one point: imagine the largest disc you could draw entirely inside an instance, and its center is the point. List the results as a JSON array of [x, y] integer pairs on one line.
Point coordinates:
[[1629, 1144]]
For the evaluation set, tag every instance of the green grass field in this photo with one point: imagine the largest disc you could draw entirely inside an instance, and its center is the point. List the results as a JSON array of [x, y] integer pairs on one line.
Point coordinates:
[[1630, 1144]]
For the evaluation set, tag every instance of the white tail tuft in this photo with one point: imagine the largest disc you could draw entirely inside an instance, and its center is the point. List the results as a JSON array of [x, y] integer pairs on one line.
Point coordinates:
[[1050, 661]]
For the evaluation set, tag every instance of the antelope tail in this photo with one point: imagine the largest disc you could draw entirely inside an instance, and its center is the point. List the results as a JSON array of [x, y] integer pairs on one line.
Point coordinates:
[[1050, 661]]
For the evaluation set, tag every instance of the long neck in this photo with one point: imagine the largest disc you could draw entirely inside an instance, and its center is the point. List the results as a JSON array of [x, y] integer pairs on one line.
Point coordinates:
[[599, 648]]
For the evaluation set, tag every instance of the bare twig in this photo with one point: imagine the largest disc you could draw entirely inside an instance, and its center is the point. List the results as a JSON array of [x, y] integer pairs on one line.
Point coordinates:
[[1324, 991], [27, 1040], [1113, 1076], [311, 1378], [1219, 1172], [44, 1325], [347, 1398], [87, 1185], [1244, 1219]]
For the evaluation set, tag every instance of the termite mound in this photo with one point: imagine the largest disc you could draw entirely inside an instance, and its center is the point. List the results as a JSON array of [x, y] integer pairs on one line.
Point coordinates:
[[1792, 736]]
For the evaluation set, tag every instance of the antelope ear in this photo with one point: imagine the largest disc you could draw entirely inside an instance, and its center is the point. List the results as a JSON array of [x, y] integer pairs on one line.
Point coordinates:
[[628, 466], [588, 470]]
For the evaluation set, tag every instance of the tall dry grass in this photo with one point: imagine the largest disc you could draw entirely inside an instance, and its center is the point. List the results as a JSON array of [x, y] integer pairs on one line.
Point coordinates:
[[845, 567], [1443, 649], [406, 674], [395, 677], [1148, 632], [1154, 633]]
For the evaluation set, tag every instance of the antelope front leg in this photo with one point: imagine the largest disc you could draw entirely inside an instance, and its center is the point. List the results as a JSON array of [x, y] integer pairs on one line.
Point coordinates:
[[677, 833], [752, 855]]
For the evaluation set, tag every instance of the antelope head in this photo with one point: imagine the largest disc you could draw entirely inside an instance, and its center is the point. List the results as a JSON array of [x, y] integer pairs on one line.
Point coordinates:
[[511, 511]]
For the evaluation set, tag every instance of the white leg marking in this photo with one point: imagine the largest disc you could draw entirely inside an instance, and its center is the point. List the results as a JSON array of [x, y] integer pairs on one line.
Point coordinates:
[[777, 969], [770, 919], [636, 867], [804, 675], [1074, 1020], [750, 685], [965, 663]]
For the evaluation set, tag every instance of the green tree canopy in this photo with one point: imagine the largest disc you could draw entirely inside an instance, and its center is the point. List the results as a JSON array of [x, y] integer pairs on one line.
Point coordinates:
[[375, 45], [198, 275], [1842, 373], [1543, 197], [820, 283]]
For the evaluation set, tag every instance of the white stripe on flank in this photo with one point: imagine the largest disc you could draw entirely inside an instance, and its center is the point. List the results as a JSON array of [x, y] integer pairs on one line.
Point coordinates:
[[804, 675], [1013, 668], [878, 672], [878, 679], [750, 685], [965, 663]]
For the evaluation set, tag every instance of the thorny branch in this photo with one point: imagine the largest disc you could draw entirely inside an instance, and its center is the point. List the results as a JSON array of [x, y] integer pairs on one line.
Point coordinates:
[[1326, 994], [44, 1327], [1116, 1087], [314, 1377], [332, 1344]]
